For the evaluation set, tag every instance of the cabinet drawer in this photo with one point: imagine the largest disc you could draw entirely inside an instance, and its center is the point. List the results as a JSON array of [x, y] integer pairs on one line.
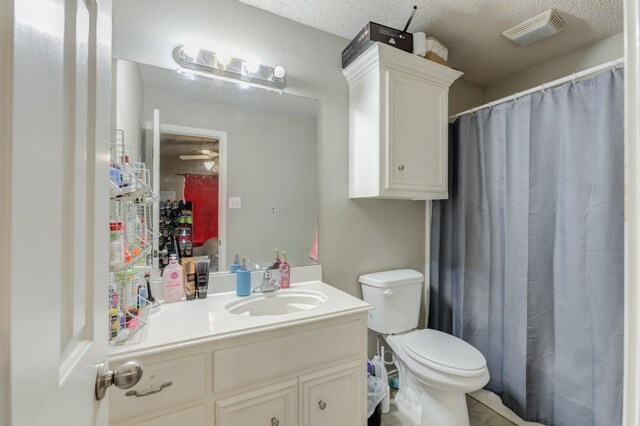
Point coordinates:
[[187, 379], [250, 363], [275, 405], [194, 416], [333, 397]]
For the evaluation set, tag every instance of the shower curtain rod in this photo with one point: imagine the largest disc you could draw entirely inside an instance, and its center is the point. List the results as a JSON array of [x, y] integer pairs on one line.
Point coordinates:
[[611, 64]]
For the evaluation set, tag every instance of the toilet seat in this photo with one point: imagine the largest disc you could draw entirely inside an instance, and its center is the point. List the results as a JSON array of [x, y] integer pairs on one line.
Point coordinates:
[[443, 352]]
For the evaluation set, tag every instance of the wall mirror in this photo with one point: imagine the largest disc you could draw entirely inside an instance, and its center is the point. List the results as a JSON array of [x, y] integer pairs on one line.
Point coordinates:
[[236, 166]]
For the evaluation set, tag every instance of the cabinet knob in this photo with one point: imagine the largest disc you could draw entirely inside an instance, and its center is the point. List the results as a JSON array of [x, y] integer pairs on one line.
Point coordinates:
[[401, 167], [275, 421], [322, 405]]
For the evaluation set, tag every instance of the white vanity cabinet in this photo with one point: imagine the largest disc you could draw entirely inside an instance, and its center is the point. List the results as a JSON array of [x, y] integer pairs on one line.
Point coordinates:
[[398, 125], [311, 374]]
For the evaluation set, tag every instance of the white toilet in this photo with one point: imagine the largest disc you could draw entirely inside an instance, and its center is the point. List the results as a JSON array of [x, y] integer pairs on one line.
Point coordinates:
[[436, 369]]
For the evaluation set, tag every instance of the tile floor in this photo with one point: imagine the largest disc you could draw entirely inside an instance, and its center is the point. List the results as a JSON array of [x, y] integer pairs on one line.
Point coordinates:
[[479, 415]]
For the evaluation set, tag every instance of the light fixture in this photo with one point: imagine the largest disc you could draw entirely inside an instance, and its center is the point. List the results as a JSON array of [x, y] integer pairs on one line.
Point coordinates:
[[251, 67], [222, 59], [191, 51], [195, 157], [210, 153], [218, 65], [278, 73]]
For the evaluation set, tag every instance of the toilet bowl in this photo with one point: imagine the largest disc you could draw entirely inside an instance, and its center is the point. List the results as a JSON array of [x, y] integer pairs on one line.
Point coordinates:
[[436, 369]]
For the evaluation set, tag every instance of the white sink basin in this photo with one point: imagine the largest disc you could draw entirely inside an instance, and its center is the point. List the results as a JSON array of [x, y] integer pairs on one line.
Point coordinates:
[[280, 302]]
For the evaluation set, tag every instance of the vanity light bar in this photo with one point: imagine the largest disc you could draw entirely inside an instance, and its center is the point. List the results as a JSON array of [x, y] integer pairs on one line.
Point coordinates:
[[230, 68]]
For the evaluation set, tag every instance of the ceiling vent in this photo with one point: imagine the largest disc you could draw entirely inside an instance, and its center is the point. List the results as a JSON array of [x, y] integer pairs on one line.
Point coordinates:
[[535, 29]]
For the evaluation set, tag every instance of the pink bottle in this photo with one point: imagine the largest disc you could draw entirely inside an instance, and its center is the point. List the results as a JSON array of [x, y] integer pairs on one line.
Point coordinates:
[[285, 272], [173, 281]]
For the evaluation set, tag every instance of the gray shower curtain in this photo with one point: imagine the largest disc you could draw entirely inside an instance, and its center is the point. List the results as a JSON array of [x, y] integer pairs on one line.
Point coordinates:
[[527, 252]]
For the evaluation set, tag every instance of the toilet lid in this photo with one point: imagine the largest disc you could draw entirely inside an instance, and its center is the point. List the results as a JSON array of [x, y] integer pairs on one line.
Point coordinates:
[[443, 351]]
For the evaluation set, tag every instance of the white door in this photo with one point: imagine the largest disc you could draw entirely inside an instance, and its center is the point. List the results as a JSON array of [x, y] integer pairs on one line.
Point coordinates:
[[55, 209]]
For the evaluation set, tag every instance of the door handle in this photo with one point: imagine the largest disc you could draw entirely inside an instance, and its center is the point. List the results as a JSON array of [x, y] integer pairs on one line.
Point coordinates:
[[149, 391], [124, 377]]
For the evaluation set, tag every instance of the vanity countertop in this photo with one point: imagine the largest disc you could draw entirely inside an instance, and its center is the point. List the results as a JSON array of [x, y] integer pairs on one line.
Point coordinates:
[[187, 323]]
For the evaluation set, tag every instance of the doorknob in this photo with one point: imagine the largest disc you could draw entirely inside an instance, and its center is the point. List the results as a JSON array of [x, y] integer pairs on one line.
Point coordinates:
[[125, 376]]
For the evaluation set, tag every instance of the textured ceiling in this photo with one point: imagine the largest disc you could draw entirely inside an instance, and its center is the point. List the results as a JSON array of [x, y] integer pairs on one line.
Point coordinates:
[[471, 29]]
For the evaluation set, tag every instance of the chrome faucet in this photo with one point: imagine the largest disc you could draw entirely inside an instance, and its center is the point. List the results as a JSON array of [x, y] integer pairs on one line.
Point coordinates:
[[268, 284]]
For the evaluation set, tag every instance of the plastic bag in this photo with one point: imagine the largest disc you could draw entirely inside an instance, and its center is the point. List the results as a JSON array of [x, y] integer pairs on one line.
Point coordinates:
[[376, 390]]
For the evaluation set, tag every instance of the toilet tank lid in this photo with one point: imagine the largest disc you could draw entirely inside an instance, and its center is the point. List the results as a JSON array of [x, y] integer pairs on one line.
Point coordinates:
[[397, 277]]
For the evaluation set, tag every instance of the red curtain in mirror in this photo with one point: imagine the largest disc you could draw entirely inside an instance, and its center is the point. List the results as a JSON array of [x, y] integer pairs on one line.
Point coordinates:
[[202, 191]]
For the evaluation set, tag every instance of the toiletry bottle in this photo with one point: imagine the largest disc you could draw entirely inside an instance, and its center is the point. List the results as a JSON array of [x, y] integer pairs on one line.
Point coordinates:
[[243, 280], [285, 272], [235, 266], [276, 260], [143, 296], [173, 281], [115, 174], [202, 276], [114, 322], [116, 251], [190, 278]]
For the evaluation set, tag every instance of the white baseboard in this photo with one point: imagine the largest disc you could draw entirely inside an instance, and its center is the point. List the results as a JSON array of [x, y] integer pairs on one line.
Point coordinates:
[[493, 401]]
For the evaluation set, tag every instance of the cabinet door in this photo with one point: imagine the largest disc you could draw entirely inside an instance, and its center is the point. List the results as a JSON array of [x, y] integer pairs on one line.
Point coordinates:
[[333, 397], [271, 406], [416, 135]]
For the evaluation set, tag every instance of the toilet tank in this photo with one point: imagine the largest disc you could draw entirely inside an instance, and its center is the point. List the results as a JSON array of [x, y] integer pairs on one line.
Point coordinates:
[[395, 297]]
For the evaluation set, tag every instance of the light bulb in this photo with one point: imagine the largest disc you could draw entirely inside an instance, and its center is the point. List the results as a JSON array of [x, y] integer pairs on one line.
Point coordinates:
[[191, 51], [223, 59], [278, 72], [251, 67]]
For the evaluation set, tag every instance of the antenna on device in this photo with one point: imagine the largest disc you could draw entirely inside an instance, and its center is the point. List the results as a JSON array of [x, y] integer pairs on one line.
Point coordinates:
[[413, 13]]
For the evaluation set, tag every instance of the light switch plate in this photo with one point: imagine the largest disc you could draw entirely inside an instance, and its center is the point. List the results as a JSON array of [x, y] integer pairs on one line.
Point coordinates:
[[235, 202]]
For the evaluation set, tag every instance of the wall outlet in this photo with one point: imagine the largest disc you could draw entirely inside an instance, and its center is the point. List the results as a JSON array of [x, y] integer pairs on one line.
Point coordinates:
[[235, 202]]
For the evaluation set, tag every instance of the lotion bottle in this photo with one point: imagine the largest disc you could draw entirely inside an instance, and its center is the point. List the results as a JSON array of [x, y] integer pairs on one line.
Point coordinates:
[[173, 281], [243, 280], [285, 272]]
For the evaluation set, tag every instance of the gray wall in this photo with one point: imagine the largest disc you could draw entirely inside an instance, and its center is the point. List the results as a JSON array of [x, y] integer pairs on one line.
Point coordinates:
[[464, 95], [603, 51], [356, 236], [271, 163]]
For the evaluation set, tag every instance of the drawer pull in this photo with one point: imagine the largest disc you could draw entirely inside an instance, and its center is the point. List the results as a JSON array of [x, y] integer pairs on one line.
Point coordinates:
[[322, 405], [275, 422], [148, 392], [401, 167]]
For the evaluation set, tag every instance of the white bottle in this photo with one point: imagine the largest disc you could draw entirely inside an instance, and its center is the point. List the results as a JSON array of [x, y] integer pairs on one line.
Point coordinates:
[[173, 281], [381, 373]]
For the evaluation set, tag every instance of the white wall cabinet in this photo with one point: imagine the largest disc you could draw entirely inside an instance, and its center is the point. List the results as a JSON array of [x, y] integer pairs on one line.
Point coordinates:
[[310, 374], [398, 131]]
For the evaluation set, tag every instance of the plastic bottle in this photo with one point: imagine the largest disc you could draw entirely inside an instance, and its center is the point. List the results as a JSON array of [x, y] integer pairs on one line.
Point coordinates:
[[285, 272], [173, 281], [116, 251], [276, 260], [243, 280], [235, 266]]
